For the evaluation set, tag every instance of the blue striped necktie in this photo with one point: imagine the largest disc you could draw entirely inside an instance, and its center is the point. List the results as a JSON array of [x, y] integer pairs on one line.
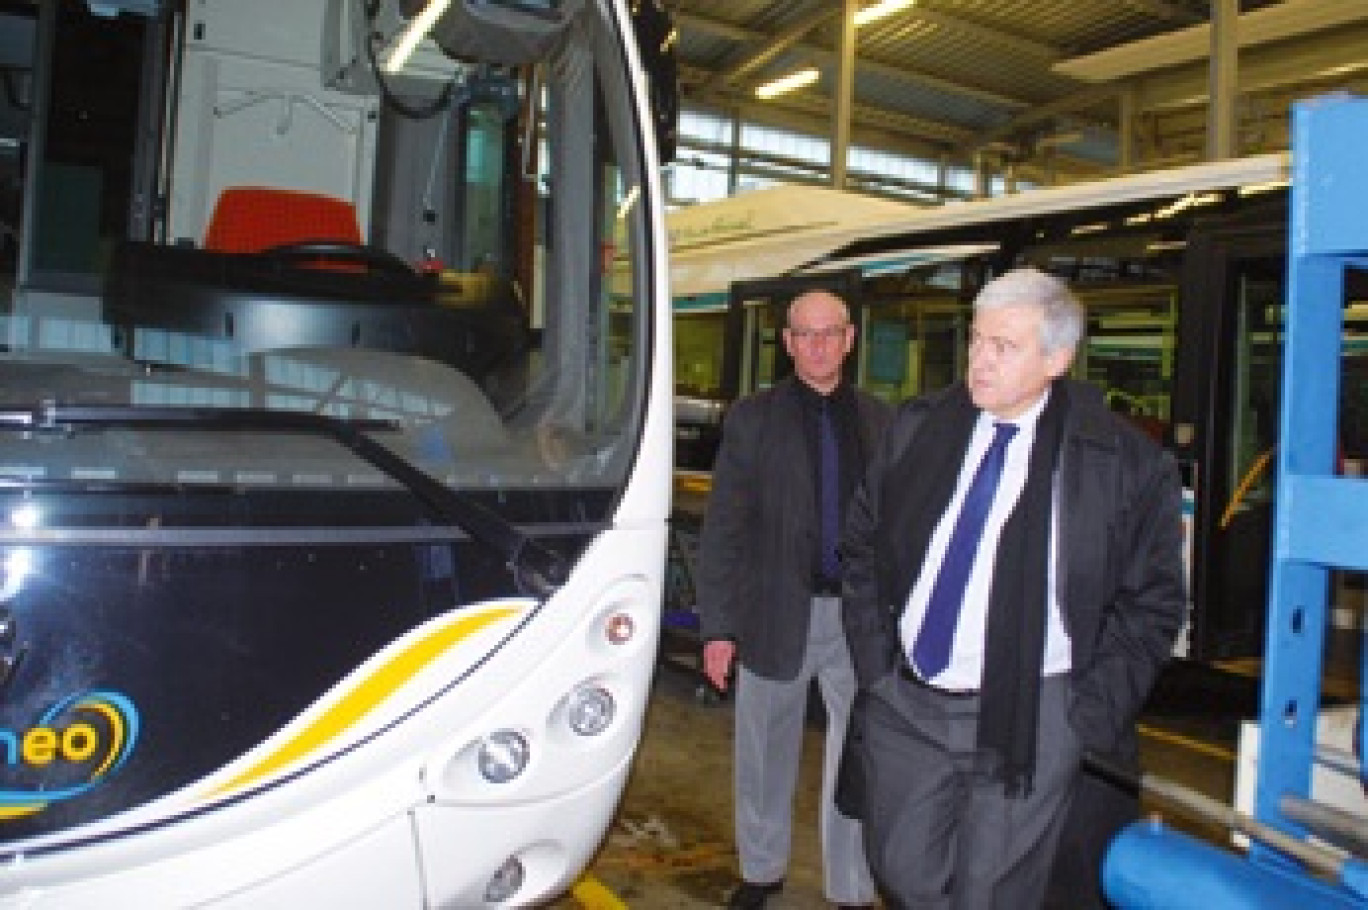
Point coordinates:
[[931, 651]]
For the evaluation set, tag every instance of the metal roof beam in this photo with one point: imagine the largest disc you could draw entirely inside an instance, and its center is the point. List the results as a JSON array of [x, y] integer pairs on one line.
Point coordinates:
[[1024, 46], [1169, 12], [1079, 100], [810, 113], [775, 46], [863, 115], [1280, 22], [827, 57]]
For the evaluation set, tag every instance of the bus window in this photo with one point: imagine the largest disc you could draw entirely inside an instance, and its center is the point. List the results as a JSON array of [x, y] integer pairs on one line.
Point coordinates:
[[1258, 307], [1353, 408], [1129, 351], [83, 152], [699, 343], [488, 129], [944, 333], [890, 357], [915, 343], [16, 108], [764, 328]]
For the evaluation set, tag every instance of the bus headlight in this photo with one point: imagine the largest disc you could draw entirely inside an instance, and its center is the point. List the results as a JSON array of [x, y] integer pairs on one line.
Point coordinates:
[[503, 756], [590, 710], [505, 882]]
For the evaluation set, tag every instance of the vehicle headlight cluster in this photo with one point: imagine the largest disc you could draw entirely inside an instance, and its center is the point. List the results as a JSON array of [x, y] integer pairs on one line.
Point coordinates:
[[505, 882], [590, 709], [503, 755]]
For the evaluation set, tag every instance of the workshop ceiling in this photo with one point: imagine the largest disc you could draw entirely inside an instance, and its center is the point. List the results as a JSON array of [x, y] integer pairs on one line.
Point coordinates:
[[1048, 86]]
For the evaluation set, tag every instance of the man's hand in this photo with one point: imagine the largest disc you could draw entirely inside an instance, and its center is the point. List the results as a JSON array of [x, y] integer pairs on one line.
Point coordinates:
[[718, 655]]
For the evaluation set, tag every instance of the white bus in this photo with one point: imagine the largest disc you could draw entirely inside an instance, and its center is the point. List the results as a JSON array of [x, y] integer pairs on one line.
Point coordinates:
[[334, 471]]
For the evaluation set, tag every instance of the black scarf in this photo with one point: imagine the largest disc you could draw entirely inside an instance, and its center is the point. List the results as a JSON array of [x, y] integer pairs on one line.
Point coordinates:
[[1015, 648]]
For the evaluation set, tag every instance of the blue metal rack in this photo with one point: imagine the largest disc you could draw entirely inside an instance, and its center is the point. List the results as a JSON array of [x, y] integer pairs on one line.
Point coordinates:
[[1320, 524], [1321, 520]]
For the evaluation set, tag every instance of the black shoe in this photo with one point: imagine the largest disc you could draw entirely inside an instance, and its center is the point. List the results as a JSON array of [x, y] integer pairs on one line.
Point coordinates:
[[854, 907], [750, 896]]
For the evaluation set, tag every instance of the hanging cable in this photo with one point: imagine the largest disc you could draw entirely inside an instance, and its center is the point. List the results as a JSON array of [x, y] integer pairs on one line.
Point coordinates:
[[438, 104]]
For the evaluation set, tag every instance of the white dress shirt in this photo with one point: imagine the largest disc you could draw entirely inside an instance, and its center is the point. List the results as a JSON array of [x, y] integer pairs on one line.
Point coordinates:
[[965, 671]]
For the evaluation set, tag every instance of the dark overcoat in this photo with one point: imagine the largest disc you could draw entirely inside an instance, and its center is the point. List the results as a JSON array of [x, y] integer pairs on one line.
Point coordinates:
[[760, 529], [1121, 581]]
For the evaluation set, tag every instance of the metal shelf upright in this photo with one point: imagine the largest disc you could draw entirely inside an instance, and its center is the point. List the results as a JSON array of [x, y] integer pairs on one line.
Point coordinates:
[[1321, 519], [1320, 525]]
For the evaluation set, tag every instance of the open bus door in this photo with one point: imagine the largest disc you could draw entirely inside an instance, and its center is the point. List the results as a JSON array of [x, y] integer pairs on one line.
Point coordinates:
[[1230, 353], [1234, 295]]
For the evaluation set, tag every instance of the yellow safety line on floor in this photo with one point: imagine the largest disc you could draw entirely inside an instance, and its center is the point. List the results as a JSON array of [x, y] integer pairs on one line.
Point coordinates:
[[592, 895], [1208, 749], [1344, 686], [692, 481]]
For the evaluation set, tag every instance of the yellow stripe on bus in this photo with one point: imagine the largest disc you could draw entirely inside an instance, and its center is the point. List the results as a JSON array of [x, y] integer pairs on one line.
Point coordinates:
[[7, 812], [370, 692]]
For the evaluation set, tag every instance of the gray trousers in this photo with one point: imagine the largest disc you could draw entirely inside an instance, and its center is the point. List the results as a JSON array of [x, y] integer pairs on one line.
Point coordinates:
[[941, 833], [768, 746]]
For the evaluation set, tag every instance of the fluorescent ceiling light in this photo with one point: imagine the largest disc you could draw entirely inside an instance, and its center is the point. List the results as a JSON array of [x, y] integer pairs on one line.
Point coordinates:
[[787, 83], [1187, 202], [417, 30], [879, 10], [628, 201], [1268, 186]]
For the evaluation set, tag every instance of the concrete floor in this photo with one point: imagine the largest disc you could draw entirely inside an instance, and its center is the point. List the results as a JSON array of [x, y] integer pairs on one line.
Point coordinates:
[[671, 847]]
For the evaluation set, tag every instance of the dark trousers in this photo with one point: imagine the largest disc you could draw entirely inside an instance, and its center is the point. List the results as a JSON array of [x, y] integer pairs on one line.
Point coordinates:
[[940, 833], [1098, 811]]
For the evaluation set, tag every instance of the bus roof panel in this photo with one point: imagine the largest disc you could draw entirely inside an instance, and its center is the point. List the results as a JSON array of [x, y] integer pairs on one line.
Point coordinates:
[[790, 229]]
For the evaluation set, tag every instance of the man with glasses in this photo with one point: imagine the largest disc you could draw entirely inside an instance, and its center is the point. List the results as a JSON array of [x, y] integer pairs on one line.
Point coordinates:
[[769, 585], [1014, 583]]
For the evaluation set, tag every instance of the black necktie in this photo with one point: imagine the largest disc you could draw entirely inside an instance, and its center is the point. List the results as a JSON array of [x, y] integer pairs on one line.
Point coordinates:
[[829, 472], [931, 651]]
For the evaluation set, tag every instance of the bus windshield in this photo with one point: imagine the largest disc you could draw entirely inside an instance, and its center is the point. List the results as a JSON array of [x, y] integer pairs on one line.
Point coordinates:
[[426, 249]]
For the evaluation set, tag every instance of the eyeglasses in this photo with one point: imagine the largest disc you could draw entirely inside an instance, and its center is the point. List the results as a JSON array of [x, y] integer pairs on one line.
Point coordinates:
[[830, 333], [996, 345]]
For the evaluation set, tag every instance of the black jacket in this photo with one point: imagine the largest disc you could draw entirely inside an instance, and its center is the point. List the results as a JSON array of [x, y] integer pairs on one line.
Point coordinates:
[[760, 529], [1122, 586]]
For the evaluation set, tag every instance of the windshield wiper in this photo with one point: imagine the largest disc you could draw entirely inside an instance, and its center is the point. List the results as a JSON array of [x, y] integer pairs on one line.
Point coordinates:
[[538, 570]]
